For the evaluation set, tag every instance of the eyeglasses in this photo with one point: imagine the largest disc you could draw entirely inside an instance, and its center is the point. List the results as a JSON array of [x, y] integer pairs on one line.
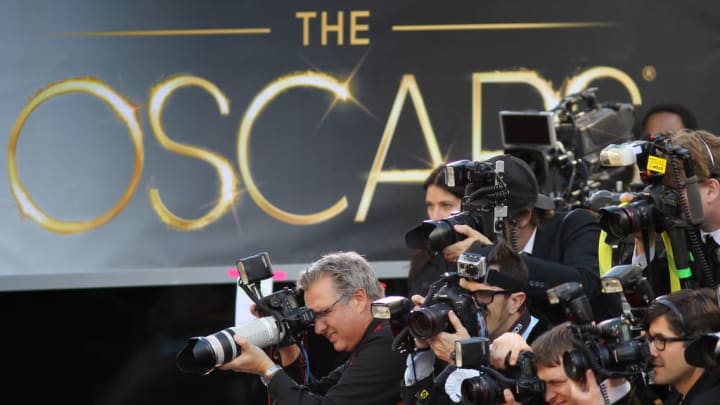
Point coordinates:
[[487, 296], [325, 312], [659, 341]]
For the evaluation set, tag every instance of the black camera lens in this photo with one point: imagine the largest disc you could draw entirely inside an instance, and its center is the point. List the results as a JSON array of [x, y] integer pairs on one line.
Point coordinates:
[[425, 322], [619, 222], [575, 365], [435, 236], [202, 355], [480, 390]]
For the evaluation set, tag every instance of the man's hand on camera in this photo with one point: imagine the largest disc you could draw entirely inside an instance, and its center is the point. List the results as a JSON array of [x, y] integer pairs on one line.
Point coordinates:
[[508, 396], [254, 311], [252, 359], [586, 392], [453, 252], [507, 343], [418, 300], [443, 344]]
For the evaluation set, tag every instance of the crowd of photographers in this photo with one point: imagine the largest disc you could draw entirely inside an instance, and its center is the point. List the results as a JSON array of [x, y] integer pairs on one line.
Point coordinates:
[[514, 298]]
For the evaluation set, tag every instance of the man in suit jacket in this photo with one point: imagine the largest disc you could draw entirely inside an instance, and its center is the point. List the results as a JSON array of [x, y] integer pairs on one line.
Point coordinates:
[[558, 247]]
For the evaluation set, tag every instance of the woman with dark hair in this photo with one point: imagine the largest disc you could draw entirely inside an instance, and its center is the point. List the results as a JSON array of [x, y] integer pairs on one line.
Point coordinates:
[[441, 201]]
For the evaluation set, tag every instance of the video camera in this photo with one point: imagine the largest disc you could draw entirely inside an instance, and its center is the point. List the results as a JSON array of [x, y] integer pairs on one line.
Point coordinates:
[[282, 322], [487, 388], [676, 210], [485, 193], [562, 145]]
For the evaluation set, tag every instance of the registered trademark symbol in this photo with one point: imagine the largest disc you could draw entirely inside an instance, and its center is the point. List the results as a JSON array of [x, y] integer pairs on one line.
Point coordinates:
[[649, 73]]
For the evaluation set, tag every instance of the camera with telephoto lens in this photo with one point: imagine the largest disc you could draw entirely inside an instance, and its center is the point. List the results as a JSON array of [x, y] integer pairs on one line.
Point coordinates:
[[562, 145], [444, 295], [676, 210], [657, 205], [282, 322], [485, 193], [487, 388]]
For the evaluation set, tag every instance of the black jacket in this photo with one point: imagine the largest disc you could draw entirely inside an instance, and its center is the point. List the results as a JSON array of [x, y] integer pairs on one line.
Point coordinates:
[[371, 375], [425, 270], [566, 249], [706, 391]]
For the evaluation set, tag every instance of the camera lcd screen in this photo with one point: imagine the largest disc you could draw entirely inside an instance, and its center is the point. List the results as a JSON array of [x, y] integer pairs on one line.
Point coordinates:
[[527, 128]]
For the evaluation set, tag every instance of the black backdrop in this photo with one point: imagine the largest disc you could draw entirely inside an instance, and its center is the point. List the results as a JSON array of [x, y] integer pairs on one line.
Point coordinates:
[[114, 343], [118, 345]]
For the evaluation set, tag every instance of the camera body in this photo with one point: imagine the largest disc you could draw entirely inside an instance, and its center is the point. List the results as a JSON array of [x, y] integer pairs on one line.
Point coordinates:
[[284, 306], [485, 194], [443, 296]]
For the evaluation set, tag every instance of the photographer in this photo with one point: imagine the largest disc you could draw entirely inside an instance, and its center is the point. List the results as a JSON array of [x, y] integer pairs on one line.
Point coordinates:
[[672, 321], [704, 154], [501, 301], [441, 202], [549, 349], [667, 117], [339, 289], [558, 246]]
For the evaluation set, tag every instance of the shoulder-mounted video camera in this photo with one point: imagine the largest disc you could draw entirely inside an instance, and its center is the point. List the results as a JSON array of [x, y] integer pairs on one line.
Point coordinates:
[[485, 193], [282, 322], [487, 388], [563, 145]]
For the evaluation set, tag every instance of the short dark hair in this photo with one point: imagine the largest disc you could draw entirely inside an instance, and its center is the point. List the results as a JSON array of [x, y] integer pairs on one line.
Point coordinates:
[[698, 312], [688, 119], [549, 347], [509, 262], [437, 178]]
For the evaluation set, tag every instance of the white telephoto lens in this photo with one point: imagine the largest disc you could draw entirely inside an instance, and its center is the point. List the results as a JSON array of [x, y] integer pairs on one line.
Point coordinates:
[[262, 332]]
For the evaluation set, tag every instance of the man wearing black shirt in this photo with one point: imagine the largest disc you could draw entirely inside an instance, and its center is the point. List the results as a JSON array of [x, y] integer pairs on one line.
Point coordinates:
[[339, 289]]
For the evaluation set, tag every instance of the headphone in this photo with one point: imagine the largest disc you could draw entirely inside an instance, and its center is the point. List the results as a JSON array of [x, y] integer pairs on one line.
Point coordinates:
[[669, 305]]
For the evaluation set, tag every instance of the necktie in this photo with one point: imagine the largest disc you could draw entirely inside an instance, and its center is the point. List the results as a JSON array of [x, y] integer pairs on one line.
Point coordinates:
[[711, 252], [710, 246]]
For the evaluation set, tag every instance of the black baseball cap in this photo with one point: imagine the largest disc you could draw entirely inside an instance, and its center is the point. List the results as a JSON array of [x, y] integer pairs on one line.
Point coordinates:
[[522, 184]]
